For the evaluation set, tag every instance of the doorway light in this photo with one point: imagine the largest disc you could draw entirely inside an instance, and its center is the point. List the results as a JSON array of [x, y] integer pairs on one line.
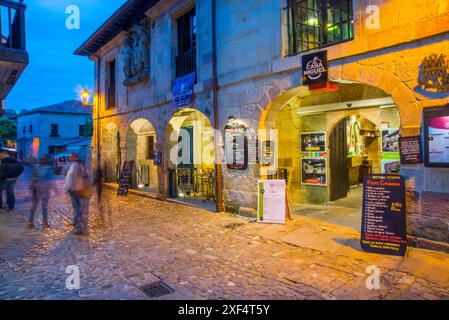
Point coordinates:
[[388, 106]]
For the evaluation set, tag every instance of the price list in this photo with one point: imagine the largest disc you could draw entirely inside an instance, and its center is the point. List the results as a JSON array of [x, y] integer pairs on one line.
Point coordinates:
[[383, 216]]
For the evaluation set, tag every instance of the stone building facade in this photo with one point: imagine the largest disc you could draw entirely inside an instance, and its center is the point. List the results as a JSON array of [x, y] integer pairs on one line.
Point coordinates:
[[260, 84], [51, 129]]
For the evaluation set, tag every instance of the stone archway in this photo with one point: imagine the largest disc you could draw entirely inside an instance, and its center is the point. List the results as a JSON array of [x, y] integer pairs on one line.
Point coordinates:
[[110, 151], [409, 109], [140, 147]]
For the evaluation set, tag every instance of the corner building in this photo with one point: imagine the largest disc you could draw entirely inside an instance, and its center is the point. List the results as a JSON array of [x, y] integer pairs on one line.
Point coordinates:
[[380, 56]]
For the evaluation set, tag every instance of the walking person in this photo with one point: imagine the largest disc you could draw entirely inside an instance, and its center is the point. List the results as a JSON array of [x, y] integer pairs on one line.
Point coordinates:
[[10, 170], [42, 185], [78, 187]]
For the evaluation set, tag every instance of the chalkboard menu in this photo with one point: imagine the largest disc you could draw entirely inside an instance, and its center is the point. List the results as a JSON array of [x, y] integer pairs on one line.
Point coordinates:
[[125, 178], [236, 144], [410, 150], [383, 214]]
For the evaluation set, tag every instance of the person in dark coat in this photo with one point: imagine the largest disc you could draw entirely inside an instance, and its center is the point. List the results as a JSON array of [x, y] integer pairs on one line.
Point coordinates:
[[10, 170]]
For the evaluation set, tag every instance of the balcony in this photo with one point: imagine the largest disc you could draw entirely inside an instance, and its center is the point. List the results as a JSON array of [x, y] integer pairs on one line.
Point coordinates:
[[13, 54], [186, 62]]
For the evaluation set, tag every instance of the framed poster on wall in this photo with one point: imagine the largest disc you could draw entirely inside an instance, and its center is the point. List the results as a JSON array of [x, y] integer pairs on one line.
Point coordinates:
[[390, 140], [314, 171], [313, 141], [436, 137], [236, 144], [267, 152]]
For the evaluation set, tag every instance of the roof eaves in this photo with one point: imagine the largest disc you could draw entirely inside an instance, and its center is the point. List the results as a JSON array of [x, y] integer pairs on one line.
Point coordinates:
[[114, 25]]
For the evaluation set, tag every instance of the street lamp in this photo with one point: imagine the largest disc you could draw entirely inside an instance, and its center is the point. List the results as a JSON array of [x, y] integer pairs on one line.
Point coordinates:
[[85, 97]]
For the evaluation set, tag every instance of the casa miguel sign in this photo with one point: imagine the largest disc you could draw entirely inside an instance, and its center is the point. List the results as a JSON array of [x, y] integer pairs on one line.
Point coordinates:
[[314, 69]]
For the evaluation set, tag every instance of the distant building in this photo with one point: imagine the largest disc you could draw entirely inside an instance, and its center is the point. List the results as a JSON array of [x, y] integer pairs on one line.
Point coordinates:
[[13, 54], [51, 129], [10, 114]]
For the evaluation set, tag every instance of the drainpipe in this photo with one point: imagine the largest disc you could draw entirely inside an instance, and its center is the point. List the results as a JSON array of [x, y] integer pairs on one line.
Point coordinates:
[[218, 171], [98, 60]]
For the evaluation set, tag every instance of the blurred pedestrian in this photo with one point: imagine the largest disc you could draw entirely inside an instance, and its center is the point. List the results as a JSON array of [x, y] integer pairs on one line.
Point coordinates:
[[98, 183], [42, 184], [1, 200], [10, 170], [78, 187]]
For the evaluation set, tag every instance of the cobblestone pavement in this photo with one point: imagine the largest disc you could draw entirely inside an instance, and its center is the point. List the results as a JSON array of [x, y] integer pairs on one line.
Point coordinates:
[[134, 241]]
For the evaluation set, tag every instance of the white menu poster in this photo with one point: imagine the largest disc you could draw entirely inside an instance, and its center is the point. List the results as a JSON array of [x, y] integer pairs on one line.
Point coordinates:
[[271, 201]]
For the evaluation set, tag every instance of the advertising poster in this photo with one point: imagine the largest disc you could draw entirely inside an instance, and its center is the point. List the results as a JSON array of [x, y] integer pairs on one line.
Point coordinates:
[[438, 140], [124, 182], [391, 166], [410, 150], [391, 162], [390, 140], [314, 172], [236, 147], [383, 215], [267, 153], [271, 201], [313, 141]]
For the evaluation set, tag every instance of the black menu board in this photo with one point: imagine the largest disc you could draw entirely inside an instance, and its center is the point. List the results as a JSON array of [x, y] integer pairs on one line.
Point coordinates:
[[410, 150], [383, 216], [125, 178], [236, 144]]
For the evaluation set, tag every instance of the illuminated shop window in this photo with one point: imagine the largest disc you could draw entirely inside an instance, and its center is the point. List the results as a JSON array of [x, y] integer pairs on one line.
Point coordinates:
[[318, 23]]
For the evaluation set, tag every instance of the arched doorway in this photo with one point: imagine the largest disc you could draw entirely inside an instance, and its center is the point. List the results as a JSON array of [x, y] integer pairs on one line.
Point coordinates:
[[192, 158], [355, 149], [328, 140], [110, 153], [140, 147]]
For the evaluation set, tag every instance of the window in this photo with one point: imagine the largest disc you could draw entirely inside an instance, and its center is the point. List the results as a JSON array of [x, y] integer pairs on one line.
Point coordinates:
[[151, 148], [318, 23], [31, 128], [24, 129], [54, 130], [186, 59], [110, 85], [81, 130], [56, 149]]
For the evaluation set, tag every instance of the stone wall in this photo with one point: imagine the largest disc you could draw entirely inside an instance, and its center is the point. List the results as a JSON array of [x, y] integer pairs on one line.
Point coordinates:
[[256, 80]]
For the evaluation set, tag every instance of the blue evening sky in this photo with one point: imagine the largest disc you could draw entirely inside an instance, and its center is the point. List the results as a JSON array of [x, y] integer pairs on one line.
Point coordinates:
[[54, 73]]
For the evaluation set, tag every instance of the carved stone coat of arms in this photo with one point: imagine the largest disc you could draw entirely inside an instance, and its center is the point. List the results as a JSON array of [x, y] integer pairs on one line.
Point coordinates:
[[136, 55]]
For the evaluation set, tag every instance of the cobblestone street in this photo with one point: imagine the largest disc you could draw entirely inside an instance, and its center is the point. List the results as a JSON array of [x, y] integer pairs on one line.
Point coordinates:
[[135, 241]]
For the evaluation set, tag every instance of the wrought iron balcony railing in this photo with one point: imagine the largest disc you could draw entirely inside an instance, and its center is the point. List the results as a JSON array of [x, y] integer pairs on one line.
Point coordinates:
[[186, 62], [12, 24]]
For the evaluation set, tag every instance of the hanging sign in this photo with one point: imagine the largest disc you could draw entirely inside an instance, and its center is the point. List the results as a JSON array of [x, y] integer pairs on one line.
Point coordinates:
[[183, 90], [314, 69], [124, 182], [236, 147], [383, 214], [410, 150], [271, 201]]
